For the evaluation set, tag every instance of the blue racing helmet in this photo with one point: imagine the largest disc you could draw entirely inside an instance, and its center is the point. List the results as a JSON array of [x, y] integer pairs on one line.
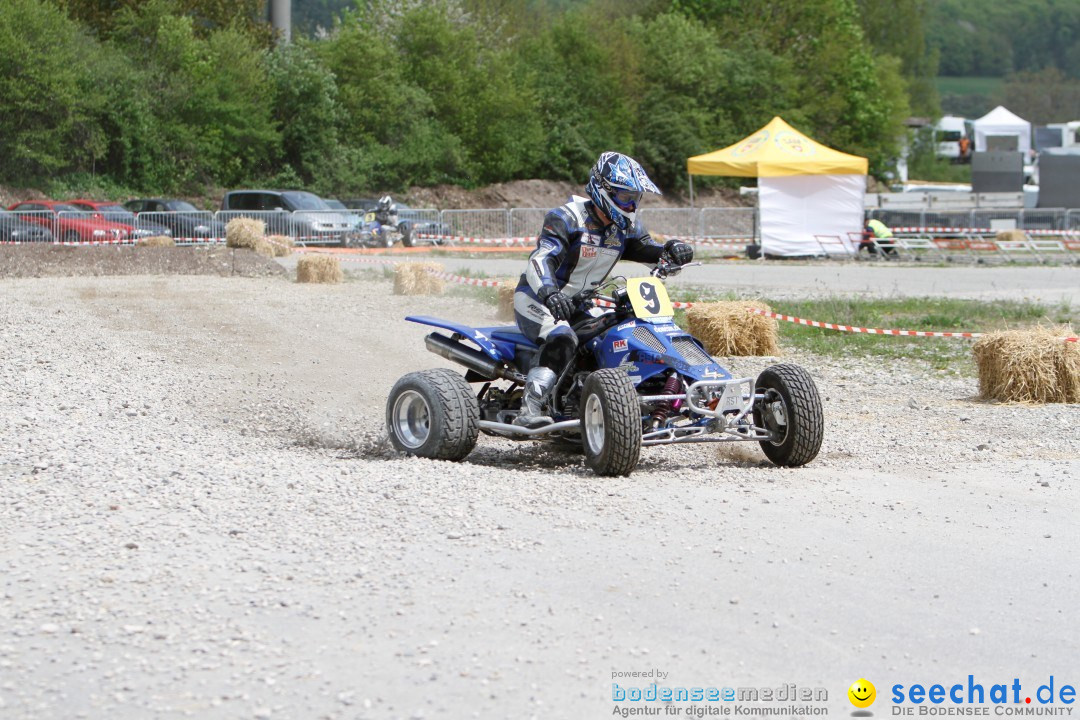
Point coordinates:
[[616, 186]]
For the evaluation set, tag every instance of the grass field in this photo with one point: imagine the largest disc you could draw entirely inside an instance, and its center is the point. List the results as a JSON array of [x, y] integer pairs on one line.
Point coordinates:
[[968, 85]]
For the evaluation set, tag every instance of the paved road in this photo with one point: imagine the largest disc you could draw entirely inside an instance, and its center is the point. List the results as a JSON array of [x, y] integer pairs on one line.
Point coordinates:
[[1051, 284]]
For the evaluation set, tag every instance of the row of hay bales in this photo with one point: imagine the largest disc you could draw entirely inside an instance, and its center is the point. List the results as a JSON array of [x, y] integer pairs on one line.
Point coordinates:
[[250, 233]]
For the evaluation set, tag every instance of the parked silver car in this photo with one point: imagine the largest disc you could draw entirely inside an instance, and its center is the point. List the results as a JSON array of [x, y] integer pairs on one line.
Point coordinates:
[[299, 214]]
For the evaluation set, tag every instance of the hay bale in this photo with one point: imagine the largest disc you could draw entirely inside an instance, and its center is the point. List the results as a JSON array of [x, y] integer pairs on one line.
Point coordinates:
[[156, 241], [242, 232], [1033, 366], [416, 279], [281, 245], [248, 233], [318, 269], [727, 329], [1010, 236], [506, 300]]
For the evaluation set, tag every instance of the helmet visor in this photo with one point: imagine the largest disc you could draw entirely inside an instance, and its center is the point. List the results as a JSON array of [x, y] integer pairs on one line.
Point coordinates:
[[626, 199]]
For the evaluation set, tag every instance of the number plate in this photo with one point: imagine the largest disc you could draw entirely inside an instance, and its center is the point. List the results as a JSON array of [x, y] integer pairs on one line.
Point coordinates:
[[649, 298]]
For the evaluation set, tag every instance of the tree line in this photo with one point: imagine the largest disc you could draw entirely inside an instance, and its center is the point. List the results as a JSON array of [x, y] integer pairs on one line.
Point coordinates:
[[999, 37], [182, 95]]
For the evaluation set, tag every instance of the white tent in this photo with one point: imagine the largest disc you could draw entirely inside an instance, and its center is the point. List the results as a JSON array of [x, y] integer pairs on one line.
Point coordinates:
[[1000, 121]]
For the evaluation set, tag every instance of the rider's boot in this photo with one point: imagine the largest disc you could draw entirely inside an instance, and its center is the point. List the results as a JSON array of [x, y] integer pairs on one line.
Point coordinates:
[[538, 383]]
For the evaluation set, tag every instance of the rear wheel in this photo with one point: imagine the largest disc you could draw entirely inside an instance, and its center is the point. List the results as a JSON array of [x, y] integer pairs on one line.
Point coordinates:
[[71, 236], [610, 423], [791, 411], [433, 414]]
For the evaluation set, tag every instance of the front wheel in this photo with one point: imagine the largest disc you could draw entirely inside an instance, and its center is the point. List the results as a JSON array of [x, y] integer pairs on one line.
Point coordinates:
[[791, 411], [610, 423], [433, 414], [406, 235]]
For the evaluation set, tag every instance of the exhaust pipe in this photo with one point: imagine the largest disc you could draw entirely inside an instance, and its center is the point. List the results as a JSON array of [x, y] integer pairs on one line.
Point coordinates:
[[470, 358]]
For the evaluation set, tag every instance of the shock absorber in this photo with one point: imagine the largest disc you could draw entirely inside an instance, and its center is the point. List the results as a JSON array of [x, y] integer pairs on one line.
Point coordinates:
[[672, 386]]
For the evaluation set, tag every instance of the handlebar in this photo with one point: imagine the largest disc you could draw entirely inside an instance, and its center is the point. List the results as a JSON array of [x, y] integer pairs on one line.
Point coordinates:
[[665, 268]]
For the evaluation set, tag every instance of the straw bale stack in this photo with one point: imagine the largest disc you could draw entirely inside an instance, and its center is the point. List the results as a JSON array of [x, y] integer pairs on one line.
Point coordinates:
[[1010, 236], [156, 241], [248, 233], [318, 269], [281, 245], [728, 329], [417, 279], [1034, 365], [506, 300]]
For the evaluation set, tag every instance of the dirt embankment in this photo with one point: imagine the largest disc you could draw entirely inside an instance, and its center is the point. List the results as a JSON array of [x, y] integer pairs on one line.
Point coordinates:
[[518, 193], [550, 193], [49, 260]]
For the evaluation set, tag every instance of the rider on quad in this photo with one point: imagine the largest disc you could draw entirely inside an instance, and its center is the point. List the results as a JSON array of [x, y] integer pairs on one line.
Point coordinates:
[[386, 214], [578, 246]]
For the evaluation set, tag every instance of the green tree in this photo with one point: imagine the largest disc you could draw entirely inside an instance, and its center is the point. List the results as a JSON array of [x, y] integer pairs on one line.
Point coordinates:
[[50, 121], [848, 98], [698, 95], [305, 108], [213, 121], [1045, 96], [586, 92], [897, 28], [206, 15], [388, 123]]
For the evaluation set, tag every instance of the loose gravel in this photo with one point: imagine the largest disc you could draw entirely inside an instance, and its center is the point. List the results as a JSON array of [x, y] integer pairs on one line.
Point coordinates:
[[200, 517]]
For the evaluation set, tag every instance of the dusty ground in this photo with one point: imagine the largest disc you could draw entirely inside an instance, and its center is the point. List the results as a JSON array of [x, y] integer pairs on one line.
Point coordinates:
[[198, 519]]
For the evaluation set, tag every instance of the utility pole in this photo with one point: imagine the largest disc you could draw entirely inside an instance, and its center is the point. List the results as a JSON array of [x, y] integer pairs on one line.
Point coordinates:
[[281, 18]]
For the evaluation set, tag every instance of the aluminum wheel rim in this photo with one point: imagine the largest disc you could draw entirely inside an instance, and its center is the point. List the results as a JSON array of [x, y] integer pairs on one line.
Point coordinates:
[[412, 419], [775, 425], [594, 424]]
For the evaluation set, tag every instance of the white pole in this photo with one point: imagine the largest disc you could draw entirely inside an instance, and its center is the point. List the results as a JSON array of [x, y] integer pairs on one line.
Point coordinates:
[[691, 178]]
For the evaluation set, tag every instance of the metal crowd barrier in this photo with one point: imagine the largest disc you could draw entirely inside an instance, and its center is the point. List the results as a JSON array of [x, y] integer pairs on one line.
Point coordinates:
[[943, 234]]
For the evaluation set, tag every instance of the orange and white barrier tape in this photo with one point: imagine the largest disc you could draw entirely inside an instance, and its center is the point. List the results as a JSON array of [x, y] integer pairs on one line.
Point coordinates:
[[866, 331], [874, 331], [718, 241], [478, 240], [980, 231]]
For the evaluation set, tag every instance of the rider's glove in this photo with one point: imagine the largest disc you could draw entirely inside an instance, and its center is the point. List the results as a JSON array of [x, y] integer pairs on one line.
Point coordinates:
[[678, 253], [561, 307]]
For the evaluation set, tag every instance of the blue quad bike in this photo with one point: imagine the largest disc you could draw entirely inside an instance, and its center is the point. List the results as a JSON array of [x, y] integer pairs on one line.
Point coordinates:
[[637, 379]]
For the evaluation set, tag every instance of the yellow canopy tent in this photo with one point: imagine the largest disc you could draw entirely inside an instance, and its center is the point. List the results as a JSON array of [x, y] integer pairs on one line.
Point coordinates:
[[805, 189], [776, 150]]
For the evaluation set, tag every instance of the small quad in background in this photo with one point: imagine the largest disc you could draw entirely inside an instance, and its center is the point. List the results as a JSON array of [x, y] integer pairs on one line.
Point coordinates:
[[637, 380]]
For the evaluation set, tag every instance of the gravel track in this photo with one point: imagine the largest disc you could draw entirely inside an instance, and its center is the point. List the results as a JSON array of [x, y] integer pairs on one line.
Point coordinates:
[[200, 518]]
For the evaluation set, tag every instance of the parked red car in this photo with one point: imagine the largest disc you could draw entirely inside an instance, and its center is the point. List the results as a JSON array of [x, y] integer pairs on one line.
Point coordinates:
[[117, 213], [70, 224]]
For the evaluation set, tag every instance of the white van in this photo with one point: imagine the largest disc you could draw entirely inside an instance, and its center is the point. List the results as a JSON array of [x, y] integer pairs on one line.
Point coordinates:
[[1070, 133], [947, 133]]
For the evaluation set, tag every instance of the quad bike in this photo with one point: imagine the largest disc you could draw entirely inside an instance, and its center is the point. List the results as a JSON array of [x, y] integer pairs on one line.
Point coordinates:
[[374, 234], [637, 379]]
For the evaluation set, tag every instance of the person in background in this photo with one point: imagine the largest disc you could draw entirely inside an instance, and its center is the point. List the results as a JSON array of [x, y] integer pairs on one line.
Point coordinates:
[[877, 230]]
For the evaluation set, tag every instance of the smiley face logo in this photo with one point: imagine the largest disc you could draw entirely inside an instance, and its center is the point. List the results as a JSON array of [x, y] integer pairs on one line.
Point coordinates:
[[862, 693]]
